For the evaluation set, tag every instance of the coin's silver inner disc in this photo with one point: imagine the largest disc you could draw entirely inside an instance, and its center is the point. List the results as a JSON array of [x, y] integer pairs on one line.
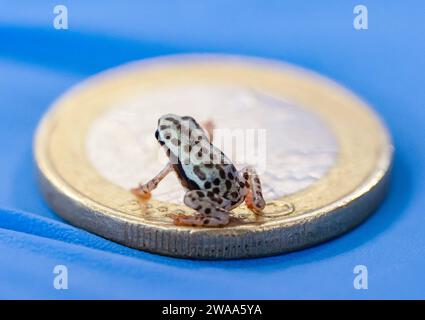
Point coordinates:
[[293, 148]]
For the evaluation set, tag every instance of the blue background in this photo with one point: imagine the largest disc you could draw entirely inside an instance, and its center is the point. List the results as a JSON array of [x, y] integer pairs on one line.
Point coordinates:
[[384, 65]]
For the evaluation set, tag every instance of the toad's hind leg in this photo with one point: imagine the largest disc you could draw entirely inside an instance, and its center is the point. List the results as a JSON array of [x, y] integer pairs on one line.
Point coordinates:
[[209, 127], [211, 210], [254, 199]]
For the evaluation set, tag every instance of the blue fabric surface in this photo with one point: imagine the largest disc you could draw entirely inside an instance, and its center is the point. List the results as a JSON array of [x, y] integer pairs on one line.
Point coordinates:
[[384, 65]]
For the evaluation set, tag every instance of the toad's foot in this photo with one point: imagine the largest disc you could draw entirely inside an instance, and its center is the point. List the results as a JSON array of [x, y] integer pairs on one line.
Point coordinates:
[[200, 220], [141, 195], [251, 206]]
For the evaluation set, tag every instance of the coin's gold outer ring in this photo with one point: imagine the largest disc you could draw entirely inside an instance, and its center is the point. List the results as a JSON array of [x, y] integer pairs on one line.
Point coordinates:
[[342, 199]]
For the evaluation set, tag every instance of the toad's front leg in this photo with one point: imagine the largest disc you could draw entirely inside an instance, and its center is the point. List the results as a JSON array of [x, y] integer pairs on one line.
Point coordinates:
[[211, 208], [143, 191]]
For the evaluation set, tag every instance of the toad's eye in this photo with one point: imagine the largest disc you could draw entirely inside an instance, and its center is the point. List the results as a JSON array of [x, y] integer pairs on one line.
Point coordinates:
[[167, 136]]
